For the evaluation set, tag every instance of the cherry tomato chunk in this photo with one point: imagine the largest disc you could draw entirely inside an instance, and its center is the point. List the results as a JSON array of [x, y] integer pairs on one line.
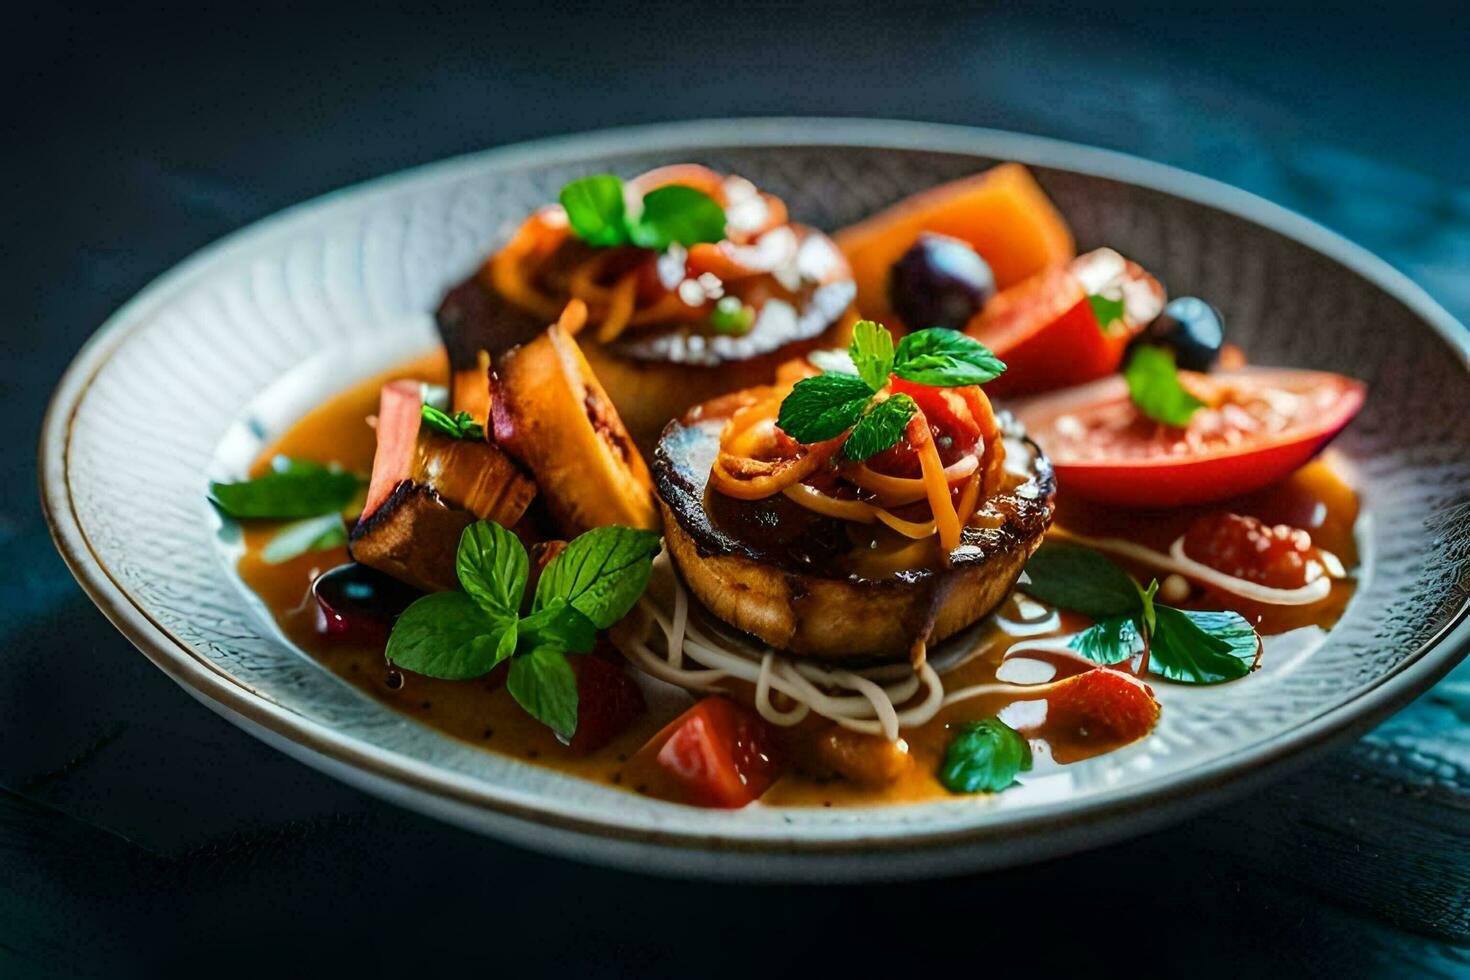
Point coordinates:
[[1278, 557], [716, 754], [608, 700]]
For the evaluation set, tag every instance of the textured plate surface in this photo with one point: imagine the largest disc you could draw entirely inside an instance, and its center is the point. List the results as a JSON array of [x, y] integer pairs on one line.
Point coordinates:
[[192, 378]]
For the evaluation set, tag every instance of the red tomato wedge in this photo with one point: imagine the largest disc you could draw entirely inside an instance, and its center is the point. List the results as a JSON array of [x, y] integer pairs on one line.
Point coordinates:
[[1261, 424], [716, 754], [1047, 333]]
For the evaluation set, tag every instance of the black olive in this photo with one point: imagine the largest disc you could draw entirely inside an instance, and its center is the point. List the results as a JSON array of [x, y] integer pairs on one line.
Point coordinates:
[[358, 603], [1193, 329], [939, 282]]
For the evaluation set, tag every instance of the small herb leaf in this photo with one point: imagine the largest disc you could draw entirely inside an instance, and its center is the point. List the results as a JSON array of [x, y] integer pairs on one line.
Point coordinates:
[[447, 635], [492, 567], [675, 213], [824, 407], [731, 316], [544, 683], [600, 574], [1202, 647], [308, 534], [881, 428], [871, 351], [1075, 577], [460, 425], [1105, 310], [984, 757], [1109, 641], [559, 626], [596, 210], [946, 359], [1153, 384], [293, 488]]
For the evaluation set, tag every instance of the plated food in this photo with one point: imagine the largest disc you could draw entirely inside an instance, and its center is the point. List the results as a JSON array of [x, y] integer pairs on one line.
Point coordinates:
[[702, 503]]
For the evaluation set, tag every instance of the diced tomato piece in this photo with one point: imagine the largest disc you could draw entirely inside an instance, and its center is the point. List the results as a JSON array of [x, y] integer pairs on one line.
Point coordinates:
[[1101, 705], [1046, 332], [608, 701], [951, 424], [716, 754]]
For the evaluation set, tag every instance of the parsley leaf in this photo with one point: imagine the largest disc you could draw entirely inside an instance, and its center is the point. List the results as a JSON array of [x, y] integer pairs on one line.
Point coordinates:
[[1153, 384], [1109, 641], [308, 534], [1202, 647], [1082, 579], [293, 488], [882, 427], [675, 213], [460, 425], [1107, 311], [984, 757], [544, 683], [824, 407], [596, 209], [945, 359], [493, 568], [447, 635], [600, 574], [871, 351]]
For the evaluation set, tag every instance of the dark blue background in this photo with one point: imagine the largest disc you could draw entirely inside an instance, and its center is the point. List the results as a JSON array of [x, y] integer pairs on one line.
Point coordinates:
[[138, 831]]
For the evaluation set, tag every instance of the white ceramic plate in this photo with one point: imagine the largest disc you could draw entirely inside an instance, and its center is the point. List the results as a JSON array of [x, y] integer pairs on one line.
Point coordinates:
[[196, 375]]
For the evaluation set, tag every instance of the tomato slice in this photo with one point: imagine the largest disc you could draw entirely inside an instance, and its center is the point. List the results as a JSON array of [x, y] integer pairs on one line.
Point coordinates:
[[716, 754], [1047, 333], [1262, 424]]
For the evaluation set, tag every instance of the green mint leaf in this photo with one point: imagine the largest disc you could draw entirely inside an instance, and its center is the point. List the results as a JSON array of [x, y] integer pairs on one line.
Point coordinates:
[[493, 568], [832, 361], [824, 407], [881, 428], [1153, 384], [600, 574], [1201, 647], [984, 757], [731, 316], [1082, 579], [460, 425], [871, 351], [544, 683], [447, 635], [308, 534], [676, 213], [559, 626], [1105, 310], [596, 210], [945, 359], [1109, 641], [293, 488]]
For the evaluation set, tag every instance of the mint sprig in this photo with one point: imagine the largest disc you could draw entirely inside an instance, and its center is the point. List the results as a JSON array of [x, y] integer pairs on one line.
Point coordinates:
[[984, 757], [293, 488], [1184, 645], [460, 425], [1153, 384], [825, 406], [597, 211], [589, 586]]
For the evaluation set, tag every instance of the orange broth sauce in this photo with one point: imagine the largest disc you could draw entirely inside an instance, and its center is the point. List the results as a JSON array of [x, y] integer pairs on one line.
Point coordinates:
[[482, 712]]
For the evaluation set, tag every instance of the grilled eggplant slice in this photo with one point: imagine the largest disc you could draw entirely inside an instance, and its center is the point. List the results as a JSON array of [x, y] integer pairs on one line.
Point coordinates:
[[550, 411], [426, 488], [827, 588]]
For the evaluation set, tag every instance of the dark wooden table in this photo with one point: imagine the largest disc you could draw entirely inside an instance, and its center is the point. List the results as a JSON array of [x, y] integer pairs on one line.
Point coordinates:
[[140, 834]]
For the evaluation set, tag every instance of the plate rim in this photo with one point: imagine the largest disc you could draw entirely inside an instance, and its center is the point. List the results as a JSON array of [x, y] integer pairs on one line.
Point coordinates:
[[318, 744]]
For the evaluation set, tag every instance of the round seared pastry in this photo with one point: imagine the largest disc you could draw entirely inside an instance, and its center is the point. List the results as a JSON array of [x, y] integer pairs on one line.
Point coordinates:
[[835, 588], [677, 312]]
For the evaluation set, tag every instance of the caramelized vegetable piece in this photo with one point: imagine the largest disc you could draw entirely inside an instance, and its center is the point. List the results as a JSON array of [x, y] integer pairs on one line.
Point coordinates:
[[426, 488], [608, 700], [551, 412], [868, 760], [1100, 709], [1002, 213], [716, 754], [470, 389]]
